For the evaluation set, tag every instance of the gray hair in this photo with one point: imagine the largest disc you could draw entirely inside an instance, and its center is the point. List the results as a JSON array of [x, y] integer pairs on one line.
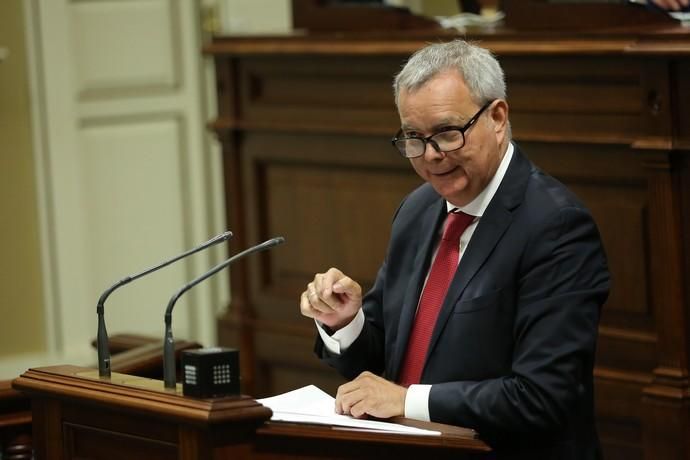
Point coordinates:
[[478, 67]]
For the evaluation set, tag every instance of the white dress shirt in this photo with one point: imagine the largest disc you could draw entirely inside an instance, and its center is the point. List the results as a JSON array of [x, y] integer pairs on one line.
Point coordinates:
[[417, 398]]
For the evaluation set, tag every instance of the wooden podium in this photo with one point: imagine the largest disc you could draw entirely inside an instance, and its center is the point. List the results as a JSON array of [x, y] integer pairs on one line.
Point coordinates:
[[78, 415]]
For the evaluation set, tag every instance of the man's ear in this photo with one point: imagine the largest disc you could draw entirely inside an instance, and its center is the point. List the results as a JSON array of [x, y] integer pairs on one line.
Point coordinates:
[[499, 117]]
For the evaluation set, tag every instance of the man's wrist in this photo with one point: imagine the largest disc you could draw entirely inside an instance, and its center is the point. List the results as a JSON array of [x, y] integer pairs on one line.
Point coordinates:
[[338, 341], [341, 324], [417, 402]]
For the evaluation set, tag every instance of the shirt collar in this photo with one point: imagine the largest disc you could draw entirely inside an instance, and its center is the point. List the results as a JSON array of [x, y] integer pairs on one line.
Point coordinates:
[[477, 206]]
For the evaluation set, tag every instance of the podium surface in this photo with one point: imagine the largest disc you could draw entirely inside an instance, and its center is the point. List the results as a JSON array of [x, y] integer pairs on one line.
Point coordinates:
[[78, 415]]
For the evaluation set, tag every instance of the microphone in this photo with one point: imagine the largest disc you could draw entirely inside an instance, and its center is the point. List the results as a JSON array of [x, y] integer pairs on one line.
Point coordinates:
[[102, 335], [169, 372]]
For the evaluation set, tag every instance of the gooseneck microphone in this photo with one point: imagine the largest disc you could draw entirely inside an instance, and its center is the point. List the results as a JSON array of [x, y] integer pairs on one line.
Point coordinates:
[[102, 335], [169, 372]]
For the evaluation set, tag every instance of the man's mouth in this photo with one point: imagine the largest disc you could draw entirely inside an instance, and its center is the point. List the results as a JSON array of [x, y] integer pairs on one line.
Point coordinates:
[[444, 173]]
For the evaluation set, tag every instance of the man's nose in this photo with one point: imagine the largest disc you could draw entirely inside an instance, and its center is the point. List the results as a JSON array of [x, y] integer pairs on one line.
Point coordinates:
[[432, 152]]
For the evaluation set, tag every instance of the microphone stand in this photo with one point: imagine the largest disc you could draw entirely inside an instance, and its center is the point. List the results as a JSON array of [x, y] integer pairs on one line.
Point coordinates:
[[169, 371], [102, 345]]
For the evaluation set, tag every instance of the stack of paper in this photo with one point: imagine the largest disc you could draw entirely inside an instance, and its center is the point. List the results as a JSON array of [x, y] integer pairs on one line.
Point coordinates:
[[312, 405]]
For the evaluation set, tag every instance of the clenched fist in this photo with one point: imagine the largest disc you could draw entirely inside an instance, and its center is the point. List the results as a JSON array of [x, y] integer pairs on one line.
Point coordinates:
[[332, 298]]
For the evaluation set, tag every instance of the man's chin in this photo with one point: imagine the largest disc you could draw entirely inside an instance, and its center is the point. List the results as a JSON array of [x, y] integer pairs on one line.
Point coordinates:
[[454, 195]]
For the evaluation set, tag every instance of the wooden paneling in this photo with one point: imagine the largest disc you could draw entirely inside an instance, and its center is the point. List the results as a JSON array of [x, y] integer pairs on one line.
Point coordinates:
[[328, 95], [319, 15], [15, 424], [87, 442], [320, 188], [296, 183], [539, 14], [574, 97], [305, 130], [681, 104]]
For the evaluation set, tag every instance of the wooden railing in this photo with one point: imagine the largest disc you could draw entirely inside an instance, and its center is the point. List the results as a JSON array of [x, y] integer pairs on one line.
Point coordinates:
[[131, 354]]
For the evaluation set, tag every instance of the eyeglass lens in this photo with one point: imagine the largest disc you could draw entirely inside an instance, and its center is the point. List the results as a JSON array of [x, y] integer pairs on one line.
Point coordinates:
[[445, 141]]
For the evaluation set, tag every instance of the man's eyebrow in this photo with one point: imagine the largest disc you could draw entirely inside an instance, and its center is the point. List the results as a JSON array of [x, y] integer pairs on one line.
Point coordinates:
[[405, 127], [447, 122], [455, 121]]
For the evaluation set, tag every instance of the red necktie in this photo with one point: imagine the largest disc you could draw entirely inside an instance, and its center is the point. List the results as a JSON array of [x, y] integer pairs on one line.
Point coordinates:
[[442, 271]]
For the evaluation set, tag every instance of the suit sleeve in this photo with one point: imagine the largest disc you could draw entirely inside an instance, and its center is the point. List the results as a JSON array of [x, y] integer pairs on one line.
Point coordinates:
[[562, 282]]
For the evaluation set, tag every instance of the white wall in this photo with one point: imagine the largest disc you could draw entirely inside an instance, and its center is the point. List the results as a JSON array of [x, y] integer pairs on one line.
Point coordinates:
[[255, 16], [126, 172]]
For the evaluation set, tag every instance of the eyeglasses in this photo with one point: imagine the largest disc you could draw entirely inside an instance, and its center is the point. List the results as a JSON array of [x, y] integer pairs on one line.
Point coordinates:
[[448, 139]]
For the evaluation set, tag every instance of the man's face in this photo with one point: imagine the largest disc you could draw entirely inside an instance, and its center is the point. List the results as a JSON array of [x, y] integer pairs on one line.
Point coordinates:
[[458, 176]]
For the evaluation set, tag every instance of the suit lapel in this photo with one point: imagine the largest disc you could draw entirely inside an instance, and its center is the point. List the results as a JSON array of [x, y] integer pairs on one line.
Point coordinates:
[[491, 227], [486, 236], [430, 221]]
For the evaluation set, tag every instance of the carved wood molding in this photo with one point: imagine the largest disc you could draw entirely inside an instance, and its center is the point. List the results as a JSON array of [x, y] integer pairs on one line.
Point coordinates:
[[131, 393]]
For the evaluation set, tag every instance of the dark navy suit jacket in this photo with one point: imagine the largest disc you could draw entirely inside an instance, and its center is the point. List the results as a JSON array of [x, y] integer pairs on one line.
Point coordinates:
[[513, 349]]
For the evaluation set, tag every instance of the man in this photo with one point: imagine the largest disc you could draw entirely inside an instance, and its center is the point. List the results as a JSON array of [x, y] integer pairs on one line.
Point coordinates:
[[484, 318]]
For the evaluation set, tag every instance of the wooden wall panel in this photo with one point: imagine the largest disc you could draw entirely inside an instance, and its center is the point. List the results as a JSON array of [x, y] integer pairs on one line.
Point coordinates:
[[620, 430], [574, 98], [86, 442], [309, 188], [325, 93], [327, 199], [681, 103]]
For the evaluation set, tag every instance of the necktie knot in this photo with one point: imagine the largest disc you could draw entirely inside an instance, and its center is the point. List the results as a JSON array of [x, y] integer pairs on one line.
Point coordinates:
[[456, 223]]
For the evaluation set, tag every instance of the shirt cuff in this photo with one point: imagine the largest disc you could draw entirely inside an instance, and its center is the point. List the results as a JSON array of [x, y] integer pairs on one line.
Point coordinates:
[[341, 340], [417, 402]]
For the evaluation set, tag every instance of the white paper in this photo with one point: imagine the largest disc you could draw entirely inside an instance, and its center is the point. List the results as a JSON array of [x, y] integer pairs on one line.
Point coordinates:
[[312, 405]]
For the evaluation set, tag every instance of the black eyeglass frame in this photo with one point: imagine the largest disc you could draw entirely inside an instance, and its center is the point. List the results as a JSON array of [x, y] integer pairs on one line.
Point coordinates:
[[429, 139]]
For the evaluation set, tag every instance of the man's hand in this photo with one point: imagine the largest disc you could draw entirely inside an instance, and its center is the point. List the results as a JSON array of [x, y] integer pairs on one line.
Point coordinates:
[[674, 5], [332, 298], [370, 394]]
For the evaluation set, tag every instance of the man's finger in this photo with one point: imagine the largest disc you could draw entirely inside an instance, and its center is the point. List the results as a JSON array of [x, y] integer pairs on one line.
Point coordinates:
[[335, 288], [359, 409], [305, 306], [319, 305], [347, 285], [343, 391], [311, 307], [348, 400], [317, 301], [671, 4], [332, 276], [317, 284]]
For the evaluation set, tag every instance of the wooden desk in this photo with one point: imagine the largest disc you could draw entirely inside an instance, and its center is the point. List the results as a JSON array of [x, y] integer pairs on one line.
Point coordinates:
[[305, 121], [78, 415]]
